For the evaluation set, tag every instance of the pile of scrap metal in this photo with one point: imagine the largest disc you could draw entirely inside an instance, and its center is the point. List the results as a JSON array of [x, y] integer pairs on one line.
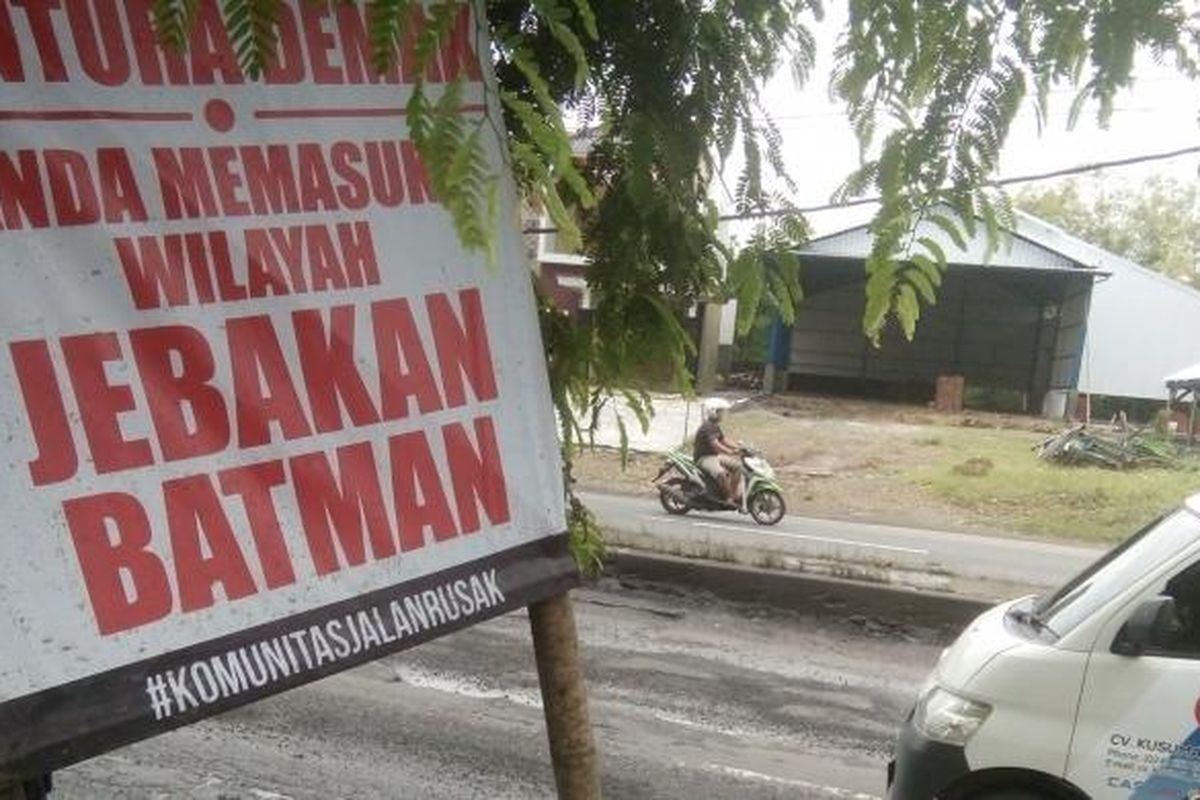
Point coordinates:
[[1083, 446]]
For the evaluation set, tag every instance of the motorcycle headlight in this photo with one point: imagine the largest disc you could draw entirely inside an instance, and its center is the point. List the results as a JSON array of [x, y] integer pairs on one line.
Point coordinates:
[[946, 717]]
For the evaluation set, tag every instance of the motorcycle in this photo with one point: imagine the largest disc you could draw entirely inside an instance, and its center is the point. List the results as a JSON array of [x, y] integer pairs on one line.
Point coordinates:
[[683, 486]]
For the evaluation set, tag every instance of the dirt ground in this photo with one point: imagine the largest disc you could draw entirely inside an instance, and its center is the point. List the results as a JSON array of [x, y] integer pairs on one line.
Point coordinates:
[[906, 465]]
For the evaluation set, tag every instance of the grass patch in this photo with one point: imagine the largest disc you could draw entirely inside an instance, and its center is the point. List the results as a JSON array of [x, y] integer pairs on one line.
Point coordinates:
[[1021, 494]]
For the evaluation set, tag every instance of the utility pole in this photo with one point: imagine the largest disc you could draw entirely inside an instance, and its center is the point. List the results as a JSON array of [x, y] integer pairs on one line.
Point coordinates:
[[710, 347], [564, 698]]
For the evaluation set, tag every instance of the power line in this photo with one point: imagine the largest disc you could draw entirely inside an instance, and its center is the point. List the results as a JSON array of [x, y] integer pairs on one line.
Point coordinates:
[[831, 111], [783, 121], [1030, 178], [1099, 165], [792, 122]]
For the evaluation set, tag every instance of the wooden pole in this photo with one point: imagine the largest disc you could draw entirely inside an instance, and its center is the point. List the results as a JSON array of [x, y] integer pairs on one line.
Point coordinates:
[[16, 789], [1192, 419], [564, 698]]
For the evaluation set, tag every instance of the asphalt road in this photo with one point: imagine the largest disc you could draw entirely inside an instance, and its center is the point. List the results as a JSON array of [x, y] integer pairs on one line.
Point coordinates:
[[691, 698], [993, 566]]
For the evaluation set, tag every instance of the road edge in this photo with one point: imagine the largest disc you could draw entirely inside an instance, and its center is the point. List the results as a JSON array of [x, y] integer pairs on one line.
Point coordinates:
[[796, 591]]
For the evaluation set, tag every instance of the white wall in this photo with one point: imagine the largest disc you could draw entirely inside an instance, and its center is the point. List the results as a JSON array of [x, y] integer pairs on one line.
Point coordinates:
[[1142, 327]]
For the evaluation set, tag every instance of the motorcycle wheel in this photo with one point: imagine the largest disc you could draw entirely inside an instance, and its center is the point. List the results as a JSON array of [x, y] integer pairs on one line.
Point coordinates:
[[767, 507], [671, 496]]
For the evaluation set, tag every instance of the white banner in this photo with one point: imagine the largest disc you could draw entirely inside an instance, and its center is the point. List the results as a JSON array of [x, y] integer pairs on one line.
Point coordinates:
[[251, 385]]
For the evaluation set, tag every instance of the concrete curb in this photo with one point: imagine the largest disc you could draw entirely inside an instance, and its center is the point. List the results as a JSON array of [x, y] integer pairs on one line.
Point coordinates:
[[780, 559], [798, 591], [881, 573]]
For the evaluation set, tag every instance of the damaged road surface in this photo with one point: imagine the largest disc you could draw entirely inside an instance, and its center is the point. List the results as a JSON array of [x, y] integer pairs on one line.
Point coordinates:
[[690, 697]]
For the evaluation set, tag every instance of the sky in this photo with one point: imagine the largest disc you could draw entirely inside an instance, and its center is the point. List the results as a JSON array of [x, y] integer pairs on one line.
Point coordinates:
[[1159, 114]]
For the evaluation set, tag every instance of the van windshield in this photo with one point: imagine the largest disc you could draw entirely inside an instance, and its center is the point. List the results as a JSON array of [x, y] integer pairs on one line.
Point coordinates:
[[1062, 610]]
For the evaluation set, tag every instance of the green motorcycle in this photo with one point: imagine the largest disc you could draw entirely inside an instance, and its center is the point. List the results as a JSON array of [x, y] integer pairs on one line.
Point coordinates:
[[683, 486]]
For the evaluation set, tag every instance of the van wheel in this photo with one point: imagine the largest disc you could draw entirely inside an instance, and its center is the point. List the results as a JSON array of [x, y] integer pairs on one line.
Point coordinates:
[[1013, 794]]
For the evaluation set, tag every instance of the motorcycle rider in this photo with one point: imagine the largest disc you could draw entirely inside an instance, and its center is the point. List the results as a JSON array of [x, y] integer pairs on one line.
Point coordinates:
[[715, 455]]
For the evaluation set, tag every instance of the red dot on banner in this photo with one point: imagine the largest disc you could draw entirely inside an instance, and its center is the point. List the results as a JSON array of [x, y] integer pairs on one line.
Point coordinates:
[[219, 115], [1196, 710]]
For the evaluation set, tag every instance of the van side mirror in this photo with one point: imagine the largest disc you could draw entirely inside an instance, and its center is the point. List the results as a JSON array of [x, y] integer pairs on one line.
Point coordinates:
[[1152, 623]]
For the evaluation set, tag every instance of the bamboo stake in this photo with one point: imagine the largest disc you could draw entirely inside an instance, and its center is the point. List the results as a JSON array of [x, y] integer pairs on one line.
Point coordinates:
[[564, 698]]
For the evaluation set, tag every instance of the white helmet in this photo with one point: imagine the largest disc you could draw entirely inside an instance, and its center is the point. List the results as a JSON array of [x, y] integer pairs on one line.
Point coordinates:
[[714, 406]]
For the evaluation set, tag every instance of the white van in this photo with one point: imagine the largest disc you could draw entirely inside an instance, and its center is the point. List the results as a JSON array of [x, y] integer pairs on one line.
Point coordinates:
[[1091, 691]]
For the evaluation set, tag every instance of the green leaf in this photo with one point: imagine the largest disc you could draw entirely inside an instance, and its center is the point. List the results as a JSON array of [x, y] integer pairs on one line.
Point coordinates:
[[252, 26], [935, 250], [640, 403], [1077, 106], [929, 268], [388, 28], [923, 285], [585, 538], [554, 15], [749, 289], [456, 161], [623, 433], [173, 21], [880, 286], [584, 9], [908, 310], [948, 227]]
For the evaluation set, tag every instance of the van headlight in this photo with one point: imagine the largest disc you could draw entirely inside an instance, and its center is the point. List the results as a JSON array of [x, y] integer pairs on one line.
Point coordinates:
[[946, 717]]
